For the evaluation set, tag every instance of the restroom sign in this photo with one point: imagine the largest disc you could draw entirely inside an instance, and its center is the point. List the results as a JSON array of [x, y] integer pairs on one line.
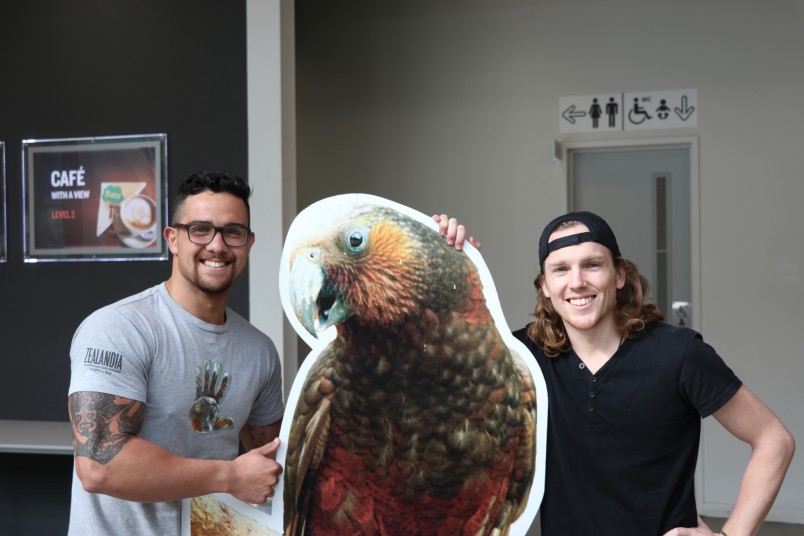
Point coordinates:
[[646, 110], [660, 109], [593, 113]]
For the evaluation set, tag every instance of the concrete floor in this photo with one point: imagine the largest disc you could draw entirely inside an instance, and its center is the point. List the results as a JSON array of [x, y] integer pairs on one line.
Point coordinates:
[[768, 529]]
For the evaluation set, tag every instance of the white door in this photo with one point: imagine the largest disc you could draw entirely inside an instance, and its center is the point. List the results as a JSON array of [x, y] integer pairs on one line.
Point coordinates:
[[644, 194]]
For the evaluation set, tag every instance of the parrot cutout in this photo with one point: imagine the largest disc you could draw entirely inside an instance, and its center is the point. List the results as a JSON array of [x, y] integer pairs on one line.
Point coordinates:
[[417, 411]]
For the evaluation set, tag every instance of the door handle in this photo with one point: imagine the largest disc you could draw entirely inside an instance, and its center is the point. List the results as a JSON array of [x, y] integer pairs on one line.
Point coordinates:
[[681, 312]]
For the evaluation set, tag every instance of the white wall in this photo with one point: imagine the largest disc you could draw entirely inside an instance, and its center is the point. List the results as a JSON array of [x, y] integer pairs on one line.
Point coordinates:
[[453, 105], [272, 164]]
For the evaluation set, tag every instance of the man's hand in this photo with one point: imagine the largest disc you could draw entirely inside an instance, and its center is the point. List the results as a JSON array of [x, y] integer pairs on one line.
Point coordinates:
[[701, 530], [256, 473], [454, 232]]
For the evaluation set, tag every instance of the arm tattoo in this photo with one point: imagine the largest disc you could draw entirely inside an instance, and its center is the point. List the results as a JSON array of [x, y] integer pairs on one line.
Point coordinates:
[[103, 423], [253, 437], [257, 436]]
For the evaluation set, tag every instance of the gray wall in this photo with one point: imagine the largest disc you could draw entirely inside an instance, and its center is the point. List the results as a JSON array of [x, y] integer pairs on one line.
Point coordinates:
[[453, 106]]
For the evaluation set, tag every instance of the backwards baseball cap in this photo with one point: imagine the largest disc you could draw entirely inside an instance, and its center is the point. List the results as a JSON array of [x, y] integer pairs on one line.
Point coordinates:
[[599, 231]]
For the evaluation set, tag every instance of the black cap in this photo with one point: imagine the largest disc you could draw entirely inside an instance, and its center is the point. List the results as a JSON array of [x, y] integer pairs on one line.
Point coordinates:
[[599, 231]]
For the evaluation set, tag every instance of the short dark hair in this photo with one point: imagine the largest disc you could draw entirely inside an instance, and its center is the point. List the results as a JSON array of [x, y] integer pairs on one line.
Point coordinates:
[[214, 181]]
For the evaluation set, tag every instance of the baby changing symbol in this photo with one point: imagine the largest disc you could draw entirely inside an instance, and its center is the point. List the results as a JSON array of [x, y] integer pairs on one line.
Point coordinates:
[[663, 111]]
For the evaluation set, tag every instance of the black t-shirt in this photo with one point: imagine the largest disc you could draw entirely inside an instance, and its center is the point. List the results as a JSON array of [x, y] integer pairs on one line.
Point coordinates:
[[622, 444]]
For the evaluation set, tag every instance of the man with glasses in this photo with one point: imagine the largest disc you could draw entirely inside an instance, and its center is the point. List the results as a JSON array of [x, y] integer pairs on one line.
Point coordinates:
[[166, 384]]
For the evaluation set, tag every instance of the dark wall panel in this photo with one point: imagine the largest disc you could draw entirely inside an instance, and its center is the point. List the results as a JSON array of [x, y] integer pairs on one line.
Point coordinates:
[[100, 68]]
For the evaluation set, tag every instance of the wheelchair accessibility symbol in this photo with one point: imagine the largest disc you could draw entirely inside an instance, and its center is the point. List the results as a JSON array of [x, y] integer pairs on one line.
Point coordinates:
[[637, 114]]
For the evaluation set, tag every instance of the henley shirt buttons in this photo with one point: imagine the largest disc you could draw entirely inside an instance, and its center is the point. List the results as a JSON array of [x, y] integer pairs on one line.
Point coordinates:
[[581, 366]]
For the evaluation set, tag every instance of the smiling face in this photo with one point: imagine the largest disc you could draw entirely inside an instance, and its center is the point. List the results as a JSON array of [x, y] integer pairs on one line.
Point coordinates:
[[212, 268], [581, 282]]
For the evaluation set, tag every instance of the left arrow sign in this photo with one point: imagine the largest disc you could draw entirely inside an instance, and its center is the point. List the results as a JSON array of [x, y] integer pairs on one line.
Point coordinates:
[[571, 113]]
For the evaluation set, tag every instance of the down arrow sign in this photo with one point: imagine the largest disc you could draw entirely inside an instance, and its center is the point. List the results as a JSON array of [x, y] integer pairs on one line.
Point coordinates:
[[685, 111]]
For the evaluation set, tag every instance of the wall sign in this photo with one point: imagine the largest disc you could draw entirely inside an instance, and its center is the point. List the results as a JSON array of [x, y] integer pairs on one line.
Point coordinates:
[[95, 199], [592, 113], [645, 110]]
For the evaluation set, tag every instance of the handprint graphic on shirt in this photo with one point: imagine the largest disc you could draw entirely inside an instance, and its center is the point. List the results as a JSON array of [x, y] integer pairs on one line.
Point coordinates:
[[204, 414]]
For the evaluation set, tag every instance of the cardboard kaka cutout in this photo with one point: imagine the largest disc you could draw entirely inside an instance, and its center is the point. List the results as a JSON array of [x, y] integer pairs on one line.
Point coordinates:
[[417, 411]]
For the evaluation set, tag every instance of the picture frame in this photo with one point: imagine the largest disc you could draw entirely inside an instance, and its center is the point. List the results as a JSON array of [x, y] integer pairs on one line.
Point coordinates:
[[3, 209], [95, 199]]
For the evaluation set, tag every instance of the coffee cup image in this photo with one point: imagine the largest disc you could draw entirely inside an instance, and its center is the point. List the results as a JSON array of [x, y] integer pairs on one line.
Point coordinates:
[[135, 217]]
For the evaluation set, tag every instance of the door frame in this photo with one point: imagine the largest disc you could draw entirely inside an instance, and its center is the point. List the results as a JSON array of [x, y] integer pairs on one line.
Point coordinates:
[[679, 142], [690, 143]]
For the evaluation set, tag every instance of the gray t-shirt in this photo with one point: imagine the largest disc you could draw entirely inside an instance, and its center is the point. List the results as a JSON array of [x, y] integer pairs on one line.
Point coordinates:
[[147, 348]]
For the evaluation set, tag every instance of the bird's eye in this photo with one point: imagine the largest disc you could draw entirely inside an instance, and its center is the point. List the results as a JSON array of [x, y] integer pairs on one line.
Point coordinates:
[[356, 239]]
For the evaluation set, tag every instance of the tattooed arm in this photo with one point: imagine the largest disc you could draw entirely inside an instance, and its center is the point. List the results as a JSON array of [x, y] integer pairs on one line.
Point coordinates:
[[111, 459], [102, 424], [257, 436]]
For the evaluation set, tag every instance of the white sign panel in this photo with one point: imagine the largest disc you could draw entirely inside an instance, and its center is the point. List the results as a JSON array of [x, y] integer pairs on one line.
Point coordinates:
[[644, 110], [660, 109], [591, 113]]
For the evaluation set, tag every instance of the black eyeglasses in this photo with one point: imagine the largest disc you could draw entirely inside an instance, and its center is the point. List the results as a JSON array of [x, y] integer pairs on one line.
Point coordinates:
[[203, 233]]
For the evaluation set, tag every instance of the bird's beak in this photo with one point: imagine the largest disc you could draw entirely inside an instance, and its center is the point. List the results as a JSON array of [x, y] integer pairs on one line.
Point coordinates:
[[315, 305]]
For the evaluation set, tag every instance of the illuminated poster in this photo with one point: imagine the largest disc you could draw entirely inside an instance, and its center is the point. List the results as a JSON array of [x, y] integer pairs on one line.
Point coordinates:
[[98, 198], [3, 218]]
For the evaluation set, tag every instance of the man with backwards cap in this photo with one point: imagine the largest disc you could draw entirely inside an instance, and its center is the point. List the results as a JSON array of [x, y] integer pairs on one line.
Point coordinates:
[[627, 393]]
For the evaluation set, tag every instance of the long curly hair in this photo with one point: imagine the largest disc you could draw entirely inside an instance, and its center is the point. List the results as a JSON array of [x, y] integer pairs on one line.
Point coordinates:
[[632, 312]]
